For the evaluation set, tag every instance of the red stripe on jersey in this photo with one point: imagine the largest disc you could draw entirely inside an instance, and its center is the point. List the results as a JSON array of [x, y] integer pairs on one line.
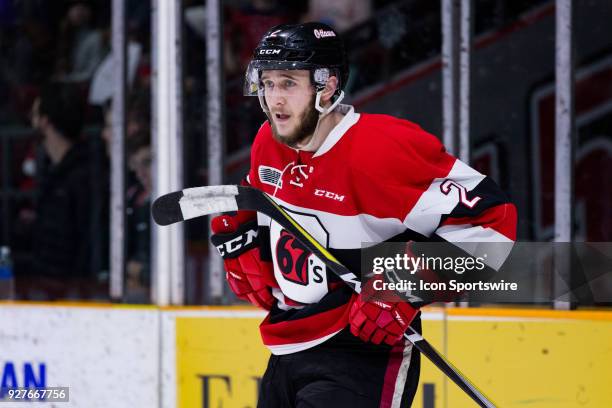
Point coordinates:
[[307, 329], [501, 218], [396, 356], [290, 302]]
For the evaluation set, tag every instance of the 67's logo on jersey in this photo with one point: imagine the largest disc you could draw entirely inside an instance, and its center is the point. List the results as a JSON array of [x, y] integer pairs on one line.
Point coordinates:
[[300, 275], [294, 259]]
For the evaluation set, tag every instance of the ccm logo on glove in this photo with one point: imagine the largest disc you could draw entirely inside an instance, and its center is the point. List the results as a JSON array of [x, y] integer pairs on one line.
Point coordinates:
[[244, 241]]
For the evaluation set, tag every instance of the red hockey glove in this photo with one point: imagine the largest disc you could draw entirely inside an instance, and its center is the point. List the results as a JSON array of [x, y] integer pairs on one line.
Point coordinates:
[[250, 278], [377, 321]]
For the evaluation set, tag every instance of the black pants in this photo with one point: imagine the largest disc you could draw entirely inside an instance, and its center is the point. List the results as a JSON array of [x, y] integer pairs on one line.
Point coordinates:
[[342, 372]]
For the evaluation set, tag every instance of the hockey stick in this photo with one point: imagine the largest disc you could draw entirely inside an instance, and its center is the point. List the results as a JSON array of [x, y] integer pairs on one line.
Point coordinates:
[[198, 201]]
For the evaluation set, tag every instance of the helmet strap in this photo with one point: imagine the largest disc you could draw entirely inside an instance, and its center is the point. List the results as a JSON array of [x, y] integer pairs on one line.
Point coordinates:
[[262, 103], [333, 106], [322, 113]]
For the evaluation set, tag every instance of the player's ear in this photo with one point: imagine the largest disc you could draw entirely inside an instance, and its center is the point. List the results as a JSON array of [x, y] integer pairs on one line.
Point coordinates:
[[330, 89]]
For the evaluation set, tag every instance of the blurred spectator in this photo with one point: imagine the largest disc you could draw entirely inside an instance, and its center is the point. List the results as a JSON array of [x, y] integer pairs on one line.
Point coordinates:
[[340, 14], [26, 60], [81, 46], [138, 118], [243, 25], [107, 130], [138, 153], [138, 275], [139, 21], [65, 246], [246, 25]]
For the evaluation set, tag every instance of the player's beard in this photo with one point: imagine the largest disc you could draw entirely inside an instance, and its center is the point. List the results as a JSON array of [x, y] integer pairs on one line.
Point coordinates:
[[307, 124]]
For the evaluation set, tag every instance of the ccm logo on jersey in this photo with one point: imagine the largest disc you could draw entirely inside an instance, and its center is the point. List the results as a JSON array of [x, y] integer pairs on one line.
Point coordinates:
[[237, 244], [328, 194], [270, 51], [324, 33]]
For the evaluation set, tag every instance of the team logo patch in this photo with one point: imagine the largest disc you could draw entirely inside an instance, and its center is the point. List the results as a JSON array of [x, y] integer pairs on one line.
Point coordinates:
[[299, 173], [300, 274], [292, 259]]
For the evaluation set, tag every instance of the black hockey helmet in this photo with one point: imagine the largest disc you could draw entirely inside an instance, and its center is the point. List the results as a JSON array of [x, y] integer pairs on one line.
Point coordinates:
[[312, 46]]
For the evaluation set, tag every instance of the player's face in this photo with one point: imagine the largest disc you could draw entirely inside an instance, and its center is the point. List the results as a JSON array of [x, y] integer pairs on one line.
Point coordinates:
[[290, 98]]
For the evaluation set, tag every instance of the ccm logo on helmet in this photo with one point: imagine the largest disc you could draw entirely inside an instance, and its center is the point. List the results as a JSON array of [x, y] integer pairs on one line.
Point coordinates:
[[324, 33], [270, 51]]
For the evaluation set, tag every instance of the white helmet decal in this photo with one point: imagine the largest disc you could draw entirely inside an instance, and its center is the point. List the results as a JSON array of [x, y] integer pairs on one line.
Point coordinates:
[[319, 33]]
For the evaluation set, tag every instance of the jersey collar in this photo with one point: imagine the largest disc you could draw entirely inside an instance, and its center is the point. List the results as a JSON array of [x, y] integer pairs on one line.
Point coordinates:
[[349, 119]]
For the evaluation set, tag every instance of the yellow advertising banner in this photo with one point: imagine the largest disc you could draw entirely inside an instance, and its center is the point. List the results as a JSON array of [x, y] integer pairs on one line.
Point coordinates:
[[219, 361], [519, 358], [530, 358]]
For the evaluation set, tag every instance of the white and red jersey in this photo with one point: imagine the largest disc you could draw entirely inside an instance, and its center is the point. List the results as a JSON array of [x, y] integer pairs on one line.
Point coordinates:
[[375, 178]]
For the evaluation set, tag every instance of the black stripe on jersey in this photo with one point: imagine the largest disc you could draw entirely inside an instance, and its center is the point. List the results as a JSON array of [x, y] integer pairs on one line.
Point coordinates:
[[265, 252], [491, 195], [332, 300]]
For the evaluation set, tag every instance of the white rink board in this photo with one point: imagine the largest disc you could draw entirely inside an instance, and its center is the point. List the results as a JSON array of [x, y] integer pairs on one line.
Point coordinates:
[[109, 357]]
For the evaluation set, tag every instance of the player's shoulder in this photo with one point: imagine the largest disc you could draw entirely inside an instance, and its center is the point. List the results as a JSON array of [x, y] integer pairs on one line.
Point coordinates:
[[384, 137], [396, 151]]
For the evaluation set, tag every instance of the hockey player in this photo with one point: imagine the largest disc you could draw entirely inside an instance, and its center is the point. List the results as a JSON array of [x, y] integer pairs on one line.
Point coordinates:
[[348, 178]]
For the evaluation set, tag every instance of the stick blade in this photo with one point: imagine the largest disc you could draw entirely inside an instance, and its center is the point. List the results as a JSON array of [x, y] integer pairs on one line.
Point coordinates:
[[166, 209], [194, 202]]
